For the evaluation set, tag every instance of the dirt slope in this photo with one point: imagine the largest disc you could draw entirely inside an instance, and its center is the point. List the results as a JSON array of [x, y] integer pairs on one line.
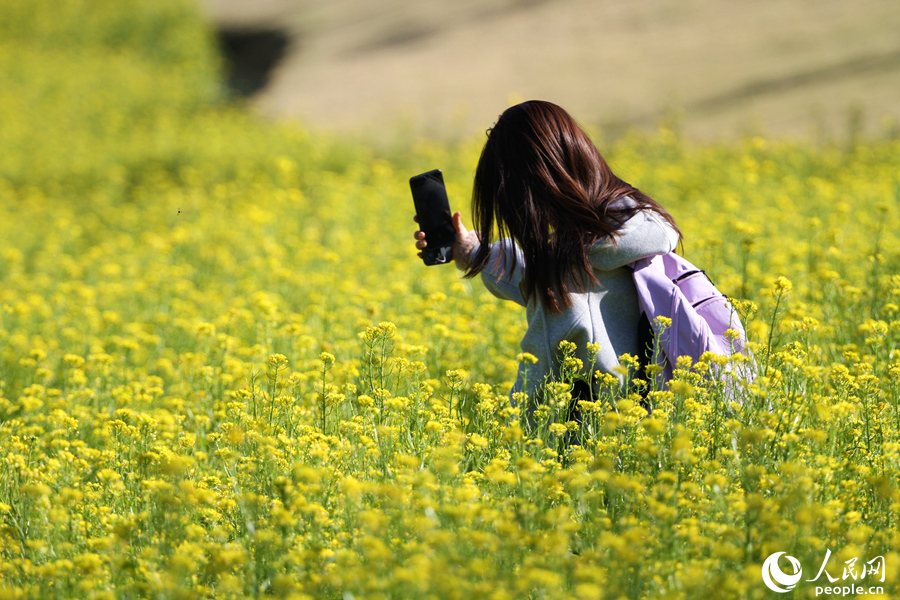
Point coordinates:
[[726, 67]]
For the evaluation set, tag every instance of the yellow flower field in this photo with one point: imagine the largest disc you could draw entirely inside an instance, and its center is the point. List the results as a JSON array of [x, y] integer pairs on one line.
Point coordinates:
[[225, 374]]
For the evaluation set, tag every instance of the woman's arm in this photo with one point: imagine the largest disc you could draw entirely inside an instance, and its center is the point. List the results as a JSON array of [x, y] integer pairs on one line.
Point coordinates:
[[645, 234], [500, 276]]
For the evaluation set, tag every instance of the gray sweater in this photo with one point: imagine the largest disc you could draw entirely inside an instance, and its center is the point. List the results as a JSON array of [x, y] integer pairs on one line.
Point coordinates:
[[607, 313]]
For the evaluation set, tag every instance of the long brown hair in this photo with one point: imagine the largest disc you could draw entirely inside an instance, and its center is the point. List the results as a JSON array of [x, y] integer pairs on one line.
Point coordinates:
[[542, 182]]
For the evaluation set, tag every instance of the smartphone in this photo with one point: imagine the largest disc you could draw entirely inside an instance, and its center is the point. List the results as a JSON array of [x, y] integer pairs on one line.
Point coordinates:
[[435, 218]]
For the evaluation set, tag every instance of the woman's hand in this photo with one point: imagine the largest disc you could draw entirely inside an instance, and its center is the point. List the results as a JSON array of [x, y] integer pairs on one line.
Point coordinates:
[[466, 241]]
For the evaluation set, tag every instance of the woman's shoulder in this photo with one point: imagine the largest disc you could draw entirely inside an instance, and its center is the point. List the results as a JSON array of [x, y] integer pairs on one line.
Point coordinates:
[[645, 233]]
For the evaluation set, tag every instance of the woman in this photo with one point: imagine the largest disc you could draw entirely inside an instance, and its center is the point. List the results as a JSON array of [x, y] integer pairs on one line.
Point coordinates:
[[568, 227]]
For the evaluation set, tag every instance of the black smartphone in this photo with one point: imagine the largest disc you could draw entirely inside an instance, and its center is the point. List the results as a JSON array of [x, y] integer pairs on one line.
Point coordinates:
[[435, 218]]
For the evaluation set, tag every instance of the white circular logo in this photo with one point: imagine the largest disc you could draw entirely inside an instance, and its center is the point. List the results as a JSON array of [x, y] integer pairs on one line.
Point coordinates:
[[774, 577]]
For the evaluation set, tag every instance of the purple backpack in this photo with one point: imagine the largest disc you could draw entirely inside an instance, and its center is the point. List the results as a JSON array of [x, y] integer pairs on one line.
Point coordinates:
[[670, 286]]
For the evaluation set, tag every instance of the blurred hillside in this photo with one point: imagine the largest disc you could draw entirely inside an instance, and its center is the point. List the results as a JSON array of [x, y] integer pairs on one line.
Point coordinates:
[[807, 68]]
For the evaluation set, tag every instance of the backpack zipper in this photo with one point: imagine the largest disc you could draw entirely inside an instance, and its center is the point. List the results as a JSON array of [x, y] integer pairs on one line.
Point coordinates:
[[705, 300], [694, 272]]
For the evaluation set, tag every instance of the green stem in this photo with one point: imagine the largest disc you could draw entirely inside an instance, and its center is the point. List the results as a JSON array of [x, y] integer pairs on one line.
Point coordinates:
[[324, 375], [771, 334]]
